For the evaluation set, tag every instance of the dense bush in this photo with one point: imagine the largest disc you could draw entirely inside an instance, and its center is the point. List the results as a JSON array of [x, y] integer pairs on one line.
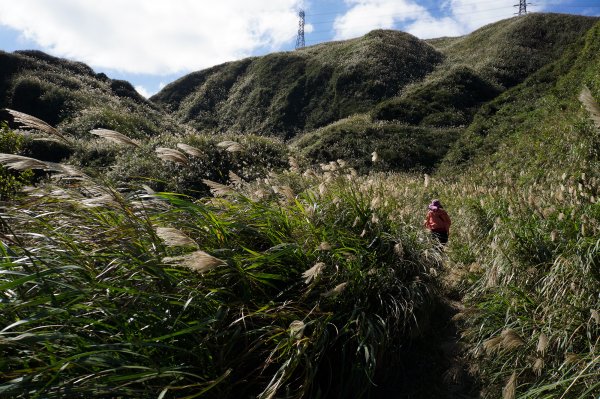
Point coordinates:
[[255, 157], [398, 147], [311, 294], [11, 181]]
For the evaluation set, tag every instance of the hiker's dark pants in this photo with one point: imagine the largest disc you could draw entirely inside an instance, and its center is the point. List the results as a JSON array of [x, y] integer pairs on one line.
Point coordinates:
[[440, 235]]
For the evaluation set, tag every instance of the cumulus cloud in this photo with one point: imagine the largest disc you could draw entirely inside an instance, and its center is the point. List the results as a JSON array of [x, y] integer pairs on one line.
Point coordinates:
[[453, 18], [143, 91], [153, 36], [366, 15]]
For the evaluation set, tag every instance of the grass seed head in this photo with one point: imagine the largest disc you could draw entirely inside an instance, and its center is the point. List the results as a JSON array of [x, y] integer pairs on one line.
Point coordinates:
[[543, 343], [313, 272], [538, 366], [173, 237], [510, 389], [114, 136], [218, 189], [198, 261], [190, 150], [324, 246], [170, 154], [335, 290], [297, 329], [492, 345]]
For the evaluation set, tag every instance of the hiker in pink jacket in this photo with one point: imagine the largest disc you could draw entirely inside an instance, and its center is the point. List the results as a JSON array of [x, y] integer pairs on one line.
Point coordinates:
[[438, 221]]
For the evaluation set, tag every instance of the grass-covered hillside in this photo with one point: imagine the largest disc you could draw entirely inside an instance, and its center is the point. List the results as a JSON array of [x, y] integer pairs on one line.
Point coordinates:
[[71, 96], [283, 94], [476, 69], [432, 83]]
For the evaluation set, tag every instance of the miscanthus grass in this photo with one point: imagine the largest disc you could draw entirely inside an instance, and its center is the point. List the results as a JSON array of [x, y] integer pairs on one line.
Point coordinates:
[[108, 292]]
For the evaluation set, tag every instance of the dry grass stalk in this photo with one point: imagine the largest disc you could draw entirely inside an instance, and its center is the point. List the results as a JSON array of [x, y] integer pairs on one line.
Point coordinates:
[[511, 340], [198, 261], [493, 344], [218, 189], [285, 191], [173, 237], [510, 389], [235, 179], [571, 358], [324, 246], [538, 366], [335, 290], [106, 200], [542, 344], [170, 154], [19, 162], [399, 249], [313, 272], [297, 329], [188, 149], [590, 105], [294, 166], [230, 146], [32, 122], [114, 136]]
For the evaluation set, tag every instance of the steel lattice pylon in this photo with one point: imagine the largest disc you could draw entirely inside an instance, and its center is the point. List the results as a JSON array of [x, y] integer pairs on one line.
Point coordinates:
[[300, 38], [522, 7]]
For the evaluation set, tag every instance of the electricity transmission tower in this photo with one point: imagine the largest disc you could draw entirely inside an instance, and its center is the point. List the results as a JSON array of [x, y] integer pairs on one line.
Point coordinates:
[[300, 38], [522, 7]]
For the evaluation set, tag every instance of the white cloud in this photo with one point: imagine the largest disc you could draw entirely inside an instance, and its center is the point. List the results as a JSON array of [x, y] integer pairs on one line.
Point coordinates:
[[427, 28], [472, 15], [153, 36], [458, 17], [366, 15], [143, 91]]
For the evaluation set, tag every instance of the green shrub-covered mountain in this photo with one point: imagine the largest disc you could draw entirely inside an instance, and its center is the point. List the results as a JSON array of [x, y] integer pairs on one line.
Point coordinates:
[[388, 92], [435, 83]]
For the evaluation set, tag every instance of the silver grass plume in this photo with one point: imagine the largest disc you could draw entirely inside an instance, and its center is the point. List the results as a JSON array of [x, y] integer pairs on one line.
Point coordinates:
[[170, 154], [173, 237], [335, 290], [114, 136], [32, 122], [105, 200], [235, 179], [19, 162], [313, 272], [510, 339], [218, 189], [231, 146], [510, 389], [590, 105], [188, 149], [198, 261], [297, 329], [542, 344]]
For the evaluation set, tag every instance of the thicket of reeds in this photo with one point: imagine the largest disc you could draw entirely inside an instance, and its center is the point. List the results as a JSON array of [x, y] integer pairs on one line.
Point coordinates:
[[296, 286]]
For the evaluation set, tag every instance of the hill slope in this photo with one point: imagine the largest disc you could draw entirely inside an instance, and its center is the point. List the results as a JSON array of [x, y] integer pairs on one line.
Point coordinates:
[[73, 97], [286, 93], [438, 83]]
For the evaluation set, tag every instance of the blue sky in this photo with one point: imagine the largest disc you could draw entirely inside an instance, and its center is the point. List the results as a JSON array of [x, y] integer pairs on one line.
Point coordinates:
[[152, 42]]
